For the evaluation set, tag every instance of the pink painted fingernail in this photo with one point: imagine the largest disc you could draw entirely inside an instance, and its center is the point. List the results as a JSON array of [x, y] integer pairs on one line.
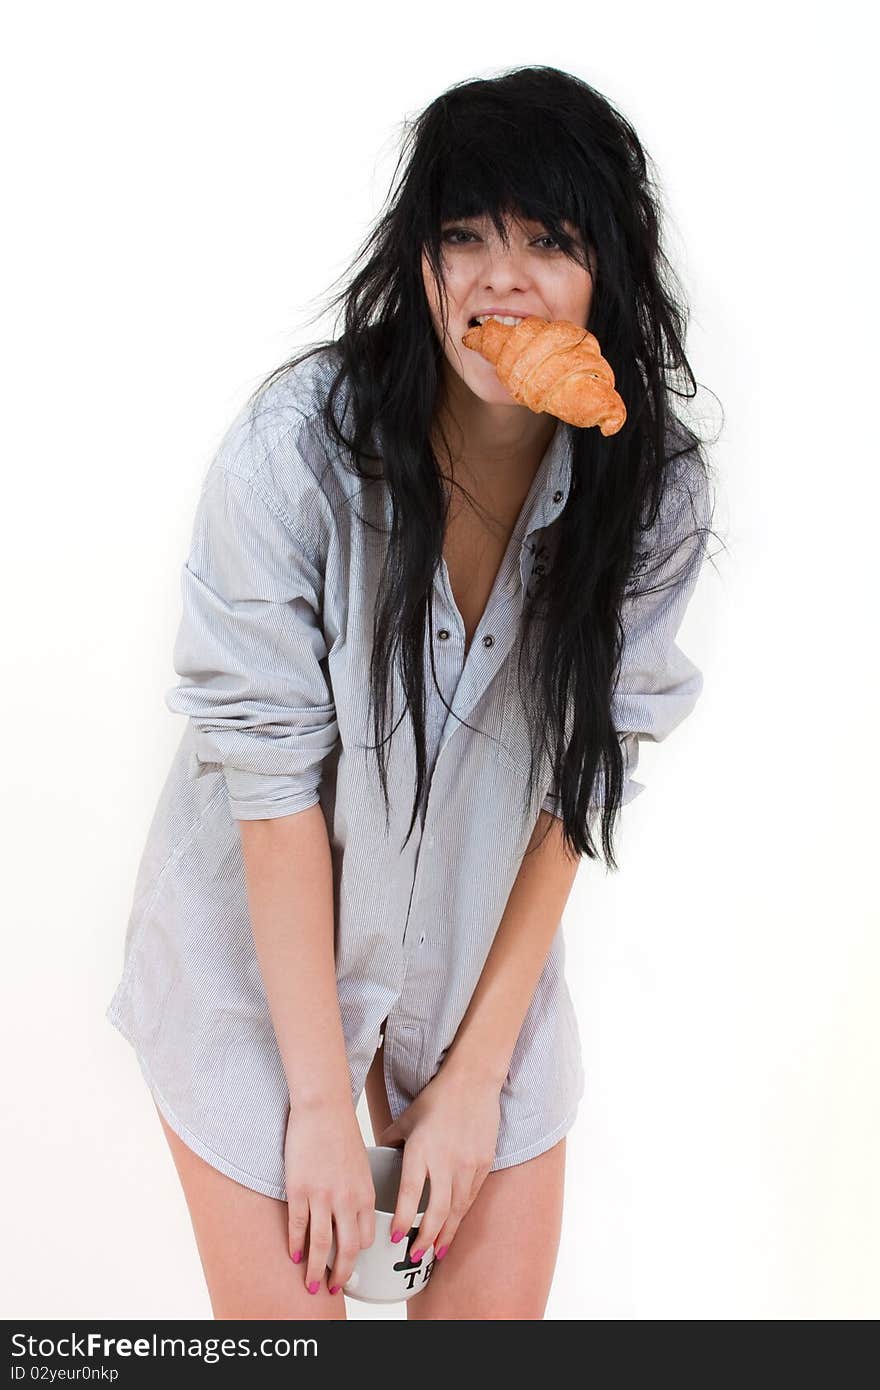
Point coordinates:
[[314, 1286], [335, 1288], [417, 1254], [296, 1256], [398, 1235], [442, 1251]]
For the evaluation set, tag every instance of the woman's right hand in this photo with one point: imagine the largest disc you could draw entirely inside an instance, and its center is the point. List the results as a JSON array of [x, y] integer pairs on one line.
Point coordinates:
[[328, 1179]]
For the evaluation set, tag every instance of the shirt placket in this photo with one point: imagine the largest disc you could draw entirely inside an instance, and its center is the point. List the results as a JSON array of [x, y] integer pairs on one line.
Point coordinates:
[[463, 680]]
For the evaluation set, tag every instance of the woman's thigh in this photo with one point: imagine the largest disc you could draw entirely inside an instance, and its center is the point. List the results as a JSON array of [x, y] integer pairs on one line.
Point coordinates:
[[500, 1264], [243, 1246]]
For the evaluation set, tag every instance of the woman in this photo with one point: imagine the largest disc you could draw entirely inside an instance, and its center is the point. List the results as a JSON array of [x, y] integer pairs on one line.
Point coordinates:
[[423, 631]]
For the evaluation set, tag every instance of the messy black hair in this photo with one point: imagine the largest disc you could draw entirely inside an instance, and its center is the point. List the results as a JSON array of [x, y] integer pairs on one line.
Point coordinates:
[[541, 144]]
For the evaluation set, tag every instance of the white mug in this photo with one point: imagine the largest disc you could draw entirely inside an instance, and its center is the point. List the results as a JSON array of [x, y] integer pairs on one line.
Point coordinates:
[[385, 1272]]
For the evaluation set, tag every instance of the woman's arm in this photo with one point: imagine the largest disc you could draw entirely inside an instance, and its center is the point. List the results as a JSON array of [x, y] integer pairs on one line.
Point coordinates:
[[288, 867], [487, 1035], [290, 902]]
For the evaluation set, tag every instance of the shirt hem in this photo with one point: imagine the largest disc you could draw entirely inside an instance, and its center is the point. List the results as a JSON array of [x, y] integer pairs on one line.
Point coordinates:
[[183, 1131], [270, 1189], [538, 1146]]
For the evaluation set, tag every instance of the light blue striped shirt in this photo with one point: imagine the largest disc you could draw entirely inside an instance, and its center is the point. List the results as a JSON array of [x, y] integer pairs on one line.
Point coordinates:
[[279, 591]]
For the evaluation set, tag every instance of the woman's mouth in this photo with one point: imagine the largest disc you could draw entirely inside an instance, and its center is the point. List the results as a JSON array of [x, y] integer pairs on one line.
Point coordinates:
[[510, 319]]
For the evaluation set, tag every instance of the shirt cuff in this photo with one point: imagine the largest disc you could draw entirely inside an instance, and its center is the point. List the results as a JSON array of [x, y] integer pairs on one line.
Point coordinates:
[[258, 796]]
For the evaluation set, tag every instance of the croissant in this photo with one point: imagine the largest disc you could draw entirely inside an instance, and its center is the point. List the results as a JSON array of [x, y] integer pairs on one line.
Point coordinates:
[[552, 366]]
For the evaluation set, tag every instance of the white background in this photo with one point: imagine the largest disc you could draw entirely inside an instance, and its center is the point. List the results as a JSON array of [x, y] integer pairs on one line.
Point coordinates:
[[183, 184]]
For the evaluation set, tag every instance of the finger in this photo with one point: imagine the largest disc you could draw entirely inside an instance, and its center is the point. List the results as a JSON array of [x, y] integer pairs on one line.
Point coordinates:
[[412, 1180], [348, 1247], [367, 1226], [463, 1193], [297, 1225], [480, 1175], [391, 1137], [320, 1231], [436, 1214]]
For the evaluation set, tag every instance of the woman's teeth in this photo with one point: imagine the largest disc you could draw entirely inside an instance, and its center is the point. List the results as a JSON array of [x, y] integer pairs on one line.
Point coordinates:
[[484, 318]]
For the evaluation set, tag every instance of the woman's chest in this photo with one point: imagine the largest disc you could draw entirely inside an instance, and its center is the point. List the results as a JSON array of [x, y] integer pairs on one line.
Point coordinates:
[[475, 548]]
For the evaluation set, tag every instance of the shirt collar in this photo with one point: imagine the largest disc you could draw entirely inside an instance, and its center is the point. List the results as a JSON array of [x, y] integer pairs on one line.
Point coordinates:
[[550, 487]]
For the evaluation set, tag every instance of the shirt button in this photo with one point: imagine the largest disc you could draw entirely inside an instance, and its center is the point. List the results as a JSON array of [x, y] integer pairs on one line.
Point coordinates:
[[488, 640], [443, 634], [557, 497]]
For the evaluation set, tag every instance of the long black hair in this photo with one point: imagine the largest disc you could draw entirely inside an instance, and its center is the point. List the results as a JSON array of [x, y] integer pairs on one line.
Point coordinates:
[[539, 143]]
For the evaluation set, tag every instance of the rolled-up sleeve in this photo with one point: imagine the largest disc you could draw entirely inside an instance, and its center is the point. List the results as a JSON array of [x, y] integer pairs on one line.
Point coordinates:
[[629, 747], [658, 684], [250, 649]]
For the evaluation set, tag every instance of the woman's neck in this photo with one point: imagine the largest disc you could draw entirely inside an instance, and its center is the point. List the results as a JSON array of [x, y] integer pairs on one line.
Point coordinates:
[[492, 446]]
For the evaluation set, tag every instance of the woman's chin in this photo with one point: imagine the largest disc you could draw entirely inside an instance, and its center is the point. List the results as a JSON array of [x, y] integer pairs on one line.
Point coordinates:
[[486, 385]]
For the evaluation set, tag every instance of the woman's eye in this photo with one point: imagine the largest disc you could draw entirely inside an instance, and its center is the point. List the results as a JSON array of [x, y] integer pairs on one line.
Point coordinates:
[[463, 232]]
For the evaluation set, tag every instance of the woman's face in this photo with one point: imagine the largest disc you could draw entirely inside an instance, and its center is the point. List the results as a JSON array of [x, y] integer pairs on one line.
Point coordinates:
[[531, 275]]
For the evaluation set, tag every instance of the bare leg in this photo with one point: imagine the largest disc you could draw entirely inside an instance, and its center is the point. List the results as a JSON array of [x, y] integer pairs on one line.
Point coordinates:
[[242, 1242], [501, 1263]]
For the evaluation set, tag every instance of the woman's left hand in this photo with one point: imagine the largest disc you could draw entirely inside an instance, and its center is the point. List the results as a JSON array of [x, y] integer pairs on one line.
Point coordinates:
[[450, 1133]]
